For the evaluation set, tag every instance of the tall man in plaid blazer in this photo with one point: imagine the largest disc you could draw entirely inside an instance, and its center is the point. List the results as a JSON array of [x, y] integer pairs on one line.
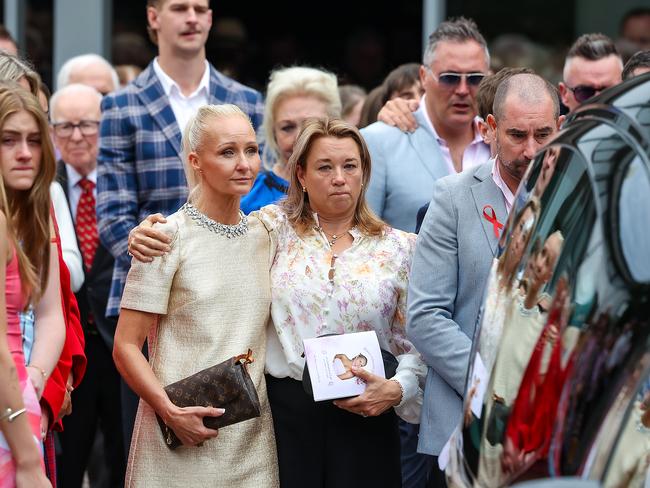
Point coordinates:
[[140, 170]]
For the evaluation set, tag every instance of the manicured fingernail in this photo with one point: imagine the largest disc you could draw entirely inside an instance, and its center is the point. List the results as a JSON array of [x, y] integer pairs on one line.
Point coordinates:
[[221, 410]]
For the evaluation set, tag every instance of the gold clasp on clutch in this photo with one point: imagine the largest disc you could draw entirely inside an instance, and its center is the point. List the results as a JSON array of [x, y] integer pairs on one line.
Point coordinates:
[[245, 358]]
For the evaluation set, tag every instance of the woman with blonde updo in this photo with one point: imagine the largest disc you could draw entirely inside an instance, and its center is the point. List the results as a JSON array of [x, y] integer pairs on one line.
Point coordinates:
[[206, 301]]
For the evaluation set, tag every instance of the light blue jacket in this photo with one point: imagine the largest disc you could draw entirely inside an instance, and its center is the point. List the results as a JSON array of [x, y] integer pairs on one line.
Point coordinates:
[[404, 168], [451, 264]]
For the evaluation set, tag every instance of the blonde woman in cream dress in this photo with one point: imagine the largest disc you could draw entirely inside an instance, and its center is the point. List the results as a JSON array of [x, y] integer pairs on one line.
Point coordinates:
[[202, 303]]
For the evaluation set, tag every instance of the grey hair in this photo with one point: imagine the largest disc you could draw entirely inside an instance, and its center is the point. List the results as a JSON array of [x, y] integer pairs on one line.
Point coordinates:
[[72, 89], [194, 135], [528, 86], [458, 29], [297, 80], [80, 62]]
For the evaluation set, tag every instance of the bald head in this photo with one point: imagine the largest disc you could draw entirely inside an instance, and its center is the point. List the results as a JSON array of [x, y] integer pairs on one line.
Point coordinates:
[[525, 117], [529, 88]]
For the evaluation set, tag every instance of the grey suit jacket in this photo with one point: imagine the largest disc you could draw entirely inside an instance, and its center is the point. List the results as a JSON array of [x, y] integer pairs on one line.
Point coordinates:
[[450, 267], [404, 168]]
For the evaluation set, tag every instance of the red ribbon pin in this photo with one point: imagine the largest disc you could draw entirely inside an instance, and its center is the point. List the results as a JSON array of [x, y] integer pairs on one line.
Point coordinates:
[[491, 216]]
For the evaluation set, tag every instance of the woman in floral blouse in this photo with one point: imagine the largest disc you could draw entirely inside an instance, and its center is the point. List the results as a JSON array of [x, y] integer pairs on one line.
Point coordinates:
[[337, 269]]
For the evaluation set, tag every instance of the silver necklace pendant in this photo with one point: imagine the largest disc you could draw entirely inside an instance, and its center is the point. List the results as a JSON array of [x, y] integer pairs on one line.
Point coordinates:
[[229, 231]]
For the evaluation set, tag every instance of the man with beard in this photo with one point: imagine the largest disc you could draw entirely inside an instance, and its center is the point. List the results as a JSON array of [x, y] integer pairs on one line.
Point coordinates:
[[455, 247], [405, 165]]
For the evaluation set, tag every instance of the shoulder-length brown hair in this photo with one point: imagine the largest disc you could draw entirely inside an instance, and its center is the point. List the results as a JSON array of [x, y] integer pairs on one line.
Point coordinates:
[[28, 211], [296, 205]]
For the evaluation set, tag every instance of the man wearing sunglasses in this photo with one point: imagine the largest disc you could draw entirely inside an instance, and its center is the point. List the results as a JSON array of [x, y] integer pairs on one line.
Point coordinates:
[[592, 65], [405, 165], [446, 141]]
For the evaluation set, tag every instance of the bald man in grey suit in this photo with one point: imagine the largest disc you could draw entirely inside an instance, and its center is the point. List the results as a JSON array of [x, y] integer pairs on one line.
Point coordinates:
[[457, 243]]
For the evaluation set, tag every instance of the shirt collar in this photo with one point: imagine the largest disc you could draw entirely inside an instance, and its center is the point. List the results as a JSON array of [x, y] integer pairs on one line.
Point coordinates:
[[508, 196], [74, 177], [441, 141], [169, 85]]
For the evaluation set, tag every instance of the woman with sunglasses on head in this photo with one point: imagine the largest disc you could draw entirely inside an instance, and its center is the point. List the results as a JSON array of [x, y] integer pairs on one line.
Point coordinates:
[[29, 270], [337, 269]]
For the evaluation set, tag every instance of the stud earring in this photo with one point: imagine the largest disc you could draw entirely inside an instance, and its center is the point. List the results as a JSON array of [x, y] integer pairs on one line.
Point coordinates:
[[304, 190]]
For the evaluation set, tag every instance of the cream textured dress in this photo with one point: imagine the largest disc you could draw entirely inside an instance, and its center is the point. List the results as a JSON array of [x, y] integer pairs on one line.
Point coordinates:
[[212, 294]]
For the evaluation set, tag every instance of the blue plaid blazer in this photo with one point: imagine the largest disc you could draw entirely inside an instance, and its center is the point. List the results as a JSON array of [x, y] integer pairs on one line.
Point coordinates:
[[140, 170]]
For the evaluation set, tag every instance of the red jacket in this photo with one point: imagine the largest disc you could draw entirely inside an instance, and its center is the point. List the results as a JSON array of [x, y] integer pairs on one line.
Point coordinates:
[[72, 357]]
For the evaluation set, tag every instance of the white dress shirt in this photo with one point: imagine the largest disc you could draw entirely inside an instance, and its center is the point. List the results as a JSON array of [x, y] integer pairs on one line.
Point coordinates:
[[476, 152], [182, 106], [508, 196], [69, 247]]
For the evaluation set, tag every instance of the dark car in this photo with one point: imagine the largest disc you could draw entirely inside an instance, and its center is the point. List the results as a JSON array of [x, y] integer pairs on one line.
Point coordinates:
[[559, 380]]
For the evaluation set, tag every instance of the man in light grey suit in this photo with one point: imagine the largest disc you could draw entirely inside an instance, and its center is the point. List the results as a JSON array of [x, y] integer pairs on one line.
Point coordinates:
[[457, 243], [405, 165]]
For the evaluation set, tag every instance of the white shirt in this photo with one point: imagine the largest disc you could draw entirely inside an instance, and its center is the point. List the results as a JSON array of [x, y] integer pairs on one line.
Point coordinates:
[[74, 190], [476, 152], [182, 106], [508, 196], [69, 248]]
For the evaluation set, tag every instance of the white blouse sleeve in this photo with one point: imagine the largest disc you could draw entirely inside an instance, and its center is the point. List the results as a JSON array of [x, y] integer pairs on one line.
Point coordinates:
[[411, 370], [69, 247]]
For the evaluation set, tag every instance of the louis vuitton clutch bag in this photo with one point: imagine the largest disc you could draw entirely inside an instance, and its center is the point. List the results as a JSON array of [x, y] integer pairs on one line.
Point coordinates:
[[225, 385]]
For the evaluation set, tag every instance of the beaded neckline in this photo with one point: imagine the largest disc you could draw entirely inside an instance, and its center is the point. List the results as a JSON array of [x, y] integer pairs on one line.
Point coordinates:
[[229, 231]]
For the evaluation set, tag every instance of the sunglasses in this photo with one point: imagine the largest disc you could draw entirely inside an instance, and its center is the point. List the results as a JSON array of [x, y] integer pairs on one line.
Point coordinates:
[[450, 80], [583, 93]]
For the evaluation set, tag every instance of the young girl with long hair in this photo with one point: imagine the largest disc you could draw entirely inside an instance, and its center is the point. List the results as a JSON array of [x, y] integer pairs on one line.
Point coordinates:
[[26, 263]]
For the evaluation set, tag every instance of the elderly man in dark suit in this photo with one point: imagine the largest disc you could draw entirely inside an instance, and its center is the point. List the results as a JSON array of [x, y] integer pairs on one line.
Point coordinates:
[[75, 128]]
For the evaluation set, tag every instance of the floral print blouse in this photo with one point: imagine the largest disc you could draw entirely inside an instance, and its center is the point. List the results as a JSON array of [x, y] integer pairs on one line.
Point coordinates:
[[366, 292]]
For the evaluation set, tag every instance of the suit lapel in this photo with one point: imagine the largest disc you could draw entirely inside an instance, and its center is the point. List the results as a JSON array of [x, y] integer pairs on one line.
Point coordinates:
[[219, 92], [486, 192], [427, 148], [157, 103]]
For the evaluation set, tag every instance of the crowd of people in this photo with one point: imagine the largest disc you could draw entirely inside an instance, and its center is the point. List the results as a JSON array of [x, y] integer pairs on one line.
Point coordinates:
[[157, 223]]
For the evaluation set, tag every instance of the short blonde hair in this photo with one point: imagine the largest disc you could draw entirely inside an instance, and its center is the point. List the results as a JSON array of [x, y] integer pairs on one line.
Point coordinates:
[[296, 205], [289, 82], [194, 135]]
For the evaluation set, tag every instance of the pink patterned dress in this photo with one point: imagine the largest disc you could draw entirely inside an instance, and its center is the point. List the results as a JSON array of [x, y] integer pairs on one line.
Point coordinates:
[[15, 303]]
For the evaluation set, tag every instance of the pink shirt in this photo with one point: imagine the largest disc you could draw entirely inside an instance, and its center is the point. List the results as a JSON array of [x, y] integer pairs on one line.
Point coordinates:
[[477, 152], [508, 196]]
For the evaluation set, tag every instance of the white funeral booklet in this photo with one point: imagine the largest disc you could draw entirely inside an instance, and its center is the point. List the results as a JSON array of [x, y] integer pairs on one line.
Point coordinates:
[[330, 360]]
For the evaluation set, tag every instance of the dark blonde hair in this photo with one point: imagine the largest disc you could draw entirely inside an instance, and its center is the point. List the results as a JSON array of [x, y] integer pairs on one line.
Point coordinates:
[[28, 211], [296, 205]]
